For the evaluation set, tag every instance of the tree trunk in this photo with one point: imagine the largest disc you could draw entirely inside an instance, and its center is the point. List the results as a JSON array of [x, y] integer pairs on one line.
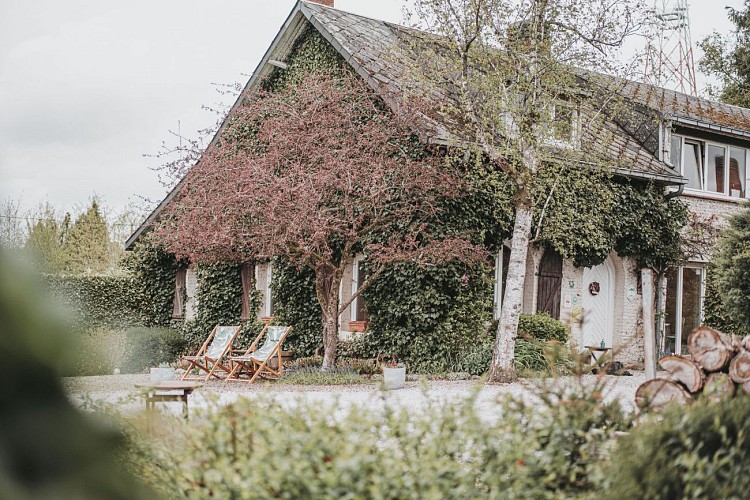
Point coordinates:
[[739, 368], [502, 368], [709, 349], [685, 371], [654, 394], [718, 387], [746, 387], [327, 285]]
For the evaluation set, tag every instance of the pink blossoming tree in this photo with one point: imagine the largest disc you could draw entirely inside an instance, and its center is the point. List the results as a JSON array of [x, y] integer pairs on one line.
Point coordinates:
[[317, 172]]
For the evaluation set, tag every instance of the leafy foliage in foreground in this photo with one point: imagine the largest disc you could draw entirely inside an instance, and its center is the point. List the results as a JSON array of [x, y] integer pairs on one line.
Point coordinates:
[[446, 451], [699, 452]]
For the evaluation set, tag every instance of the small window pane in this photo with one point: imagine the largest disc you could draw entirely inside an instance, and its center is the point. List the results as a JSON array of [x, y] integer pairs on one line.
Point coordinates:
[[715, 170], [676, 156], [737, 173], [691, 302], [670, 313], [692, 165], [562, 124]]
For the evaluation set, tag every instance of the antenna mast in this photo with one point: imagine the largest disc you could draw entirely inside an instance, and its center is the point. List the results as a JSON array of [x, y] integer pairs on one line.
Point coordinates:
[[669, 51]]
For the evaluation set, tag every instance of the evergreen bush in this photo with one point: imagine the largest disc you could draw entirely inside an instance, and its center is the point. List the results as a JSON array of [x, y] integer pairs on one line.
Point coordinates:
[[700, 451]]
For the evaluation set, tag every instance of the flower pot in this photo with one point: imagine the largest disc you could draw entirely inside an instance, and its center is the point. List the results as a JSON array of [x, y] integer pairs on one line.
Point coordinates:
[[160, 374], [394, 378]]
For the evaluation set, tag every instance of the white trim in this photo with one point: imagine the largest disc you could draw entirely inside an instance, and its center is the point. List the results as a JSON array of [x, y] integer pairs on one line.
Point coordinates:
[[355, 286], [497, 299], [704, 144], [679, 294]]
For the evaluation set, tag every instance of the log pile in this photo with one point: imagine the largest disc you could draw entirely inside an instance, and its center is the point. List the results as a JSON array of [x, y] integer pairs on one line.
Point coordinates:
[[718, 368]]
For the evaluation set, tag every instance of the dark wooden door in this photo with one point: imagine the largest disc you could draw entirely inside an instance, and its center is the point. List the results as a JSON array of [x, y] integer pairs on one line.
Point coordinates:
[[550, 283]]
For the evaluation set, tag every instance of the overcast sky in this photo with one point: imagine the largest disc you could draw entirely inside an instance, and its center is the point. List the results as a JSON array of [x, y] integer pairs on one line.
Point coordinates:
[[88, 86]]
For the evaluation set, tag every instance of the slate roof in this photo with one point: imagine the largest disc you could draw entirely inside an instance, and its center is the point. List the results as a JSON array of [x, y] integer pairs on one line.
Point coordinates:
[[369, 45]]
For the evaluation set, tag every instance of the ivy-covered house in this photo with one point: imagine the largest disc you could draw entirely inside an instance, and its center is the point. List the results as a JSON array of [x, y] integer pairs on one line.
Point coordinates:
[[668, 147]]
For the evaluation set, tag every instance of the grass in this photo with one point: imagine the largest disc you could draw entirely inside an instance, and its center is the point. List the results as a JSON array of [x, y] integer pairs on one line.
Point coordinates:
[[313, 376]]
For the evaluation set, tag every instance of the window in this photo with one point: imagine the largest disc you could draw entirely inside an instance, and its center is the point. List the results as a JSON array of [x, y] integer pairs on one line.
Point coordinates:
[[684, 309], [502, 259], [704, 165], [358, 307], [263, 277], [563, 125]]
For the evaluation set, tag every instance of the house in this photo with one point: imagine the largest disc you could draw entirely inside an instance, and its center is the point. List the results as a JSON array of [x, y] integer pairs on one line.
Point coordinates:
[[695, 148]]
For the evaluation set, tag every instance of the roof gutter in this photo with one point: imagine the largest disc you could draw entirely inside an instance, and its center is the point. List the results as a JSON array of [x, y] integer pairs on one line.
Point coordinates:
[[711, 126]]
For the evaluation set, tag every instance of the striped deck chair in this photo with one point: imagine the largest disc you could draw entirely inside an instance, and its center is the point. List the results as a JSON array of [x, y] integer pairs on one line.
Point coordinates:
[[255, 361], [213, 353]]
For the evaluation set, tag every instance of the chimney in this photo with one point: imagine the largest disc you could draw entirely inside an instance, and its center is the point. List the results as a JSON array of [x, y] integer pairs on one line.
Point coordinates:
[[327, 3]]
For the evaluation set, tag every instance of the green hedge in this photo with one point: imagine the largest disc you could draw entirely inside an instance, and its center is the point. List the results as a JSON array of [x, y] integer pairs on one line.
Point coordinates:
[[131, 351], [444, 451], [97, 301]]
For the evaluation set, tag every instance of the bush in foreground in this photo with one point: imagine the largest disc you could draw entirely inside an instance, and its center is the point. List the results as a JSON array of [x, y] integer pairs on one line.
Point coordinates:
[[702, 451], [261, 449]]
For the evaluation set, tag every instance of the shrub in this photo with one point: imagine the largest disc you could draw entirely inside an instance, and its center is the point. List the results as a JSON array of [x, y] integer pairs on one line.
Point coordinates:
[[537, 346], [149, 347], [702, 451], [445, 451], [541, 326]]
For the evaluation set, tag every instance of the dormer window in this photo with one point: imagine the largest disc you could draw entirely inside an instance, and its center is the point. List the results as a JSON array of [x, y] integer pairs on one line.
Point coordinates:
[[711, 167], [563, 125]]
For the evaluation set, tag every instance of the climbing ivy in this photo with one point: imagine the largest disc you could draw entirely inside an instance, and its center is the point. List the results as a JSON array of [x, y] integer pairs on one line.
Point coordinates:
[[219, 302], [153, 271], [428, 315], [295, 304]]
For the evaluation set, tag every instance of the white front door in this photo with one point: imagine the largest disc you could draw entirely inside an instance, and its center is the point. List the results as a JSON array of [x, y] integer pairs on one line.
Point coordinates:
[[599, 304]]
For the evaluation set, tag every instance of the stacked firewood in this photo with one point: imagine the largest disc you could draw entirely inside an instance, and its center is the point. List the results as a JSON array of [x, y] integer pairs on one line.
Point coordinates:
[[718, 367]]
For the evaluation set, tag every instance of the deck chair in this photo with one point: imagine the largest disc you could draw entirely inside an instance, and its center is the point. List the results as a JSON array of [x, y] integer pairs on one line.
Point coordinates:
[[255, 361], [213, 353]]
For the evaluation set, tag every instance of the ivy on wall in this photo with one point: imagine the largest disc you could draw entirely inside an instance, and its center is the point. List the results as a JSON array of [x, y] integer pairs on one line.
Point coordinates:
[[428, 315], [295, 304], [153, 272], [219, 301]]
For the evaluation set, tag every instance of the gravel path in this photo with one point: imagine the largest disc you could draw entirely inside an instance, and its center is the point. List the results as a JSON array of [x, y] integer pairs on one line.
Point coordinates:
[[120, 391]]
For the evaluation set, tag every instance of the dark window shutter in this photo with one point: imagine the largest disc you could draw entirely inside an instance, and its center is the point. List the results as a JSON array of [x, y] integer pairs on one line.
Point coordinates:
[[247, 270], [179, 294]]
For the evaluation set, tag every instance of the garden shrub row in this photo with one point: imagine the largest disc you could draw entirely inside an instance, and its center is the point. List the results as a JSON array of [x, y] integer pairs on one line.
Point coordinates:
[[96, 301], [570, 445]]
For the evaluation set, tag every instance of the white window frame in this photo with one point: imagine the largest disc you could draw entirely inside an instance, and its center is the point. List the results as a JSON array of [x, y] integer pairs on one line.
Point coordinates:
[[355, 286], [704, 144], [266, 308], [497, 288], [679, 294], [575, 125]]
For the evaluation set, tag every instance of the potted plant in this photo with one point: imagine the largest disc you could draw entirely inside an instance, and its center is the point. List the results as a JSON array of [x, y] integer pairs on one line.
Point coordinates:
[[394, 372]]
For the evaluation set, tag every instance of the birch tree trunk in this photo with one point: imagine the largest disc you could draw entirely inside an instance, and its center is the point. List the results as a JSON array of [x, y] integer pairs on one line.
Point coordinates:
[[502, 369]]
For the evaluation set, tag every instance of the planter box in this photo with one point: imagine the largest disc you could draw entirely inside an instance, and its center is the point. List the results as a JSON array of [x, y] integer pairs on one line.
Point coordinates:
[[394, 378]]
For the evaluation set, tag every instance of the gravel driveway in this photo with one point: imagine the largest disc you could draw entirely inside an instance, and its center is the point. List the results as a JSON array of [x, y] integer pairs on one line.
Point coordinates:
[[120, 390]]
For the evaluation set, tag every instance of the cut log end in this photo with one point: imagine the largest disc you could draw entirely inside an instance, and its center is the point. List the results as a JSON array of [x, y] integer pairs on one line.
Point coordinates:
[[684, 371], [718, 387], [655, 394], [739, 368], [712, 350]]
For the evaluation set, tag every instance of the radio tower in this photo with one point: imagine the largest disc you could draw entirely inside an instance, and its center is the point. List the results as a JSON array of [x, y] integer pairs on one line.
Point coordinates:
[[669, 51]]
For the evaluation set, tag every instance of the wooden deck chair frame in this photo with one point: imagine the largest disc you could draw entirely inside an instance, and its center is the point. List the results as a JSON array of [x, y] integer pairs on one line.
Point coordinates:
[[257, 368], [207, 363]]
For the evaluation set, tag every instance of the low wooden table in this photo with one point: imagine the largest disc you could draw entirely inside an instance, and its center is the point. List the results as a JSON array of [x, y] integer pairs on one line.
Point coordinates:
[[601, 351], [168, 391]]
